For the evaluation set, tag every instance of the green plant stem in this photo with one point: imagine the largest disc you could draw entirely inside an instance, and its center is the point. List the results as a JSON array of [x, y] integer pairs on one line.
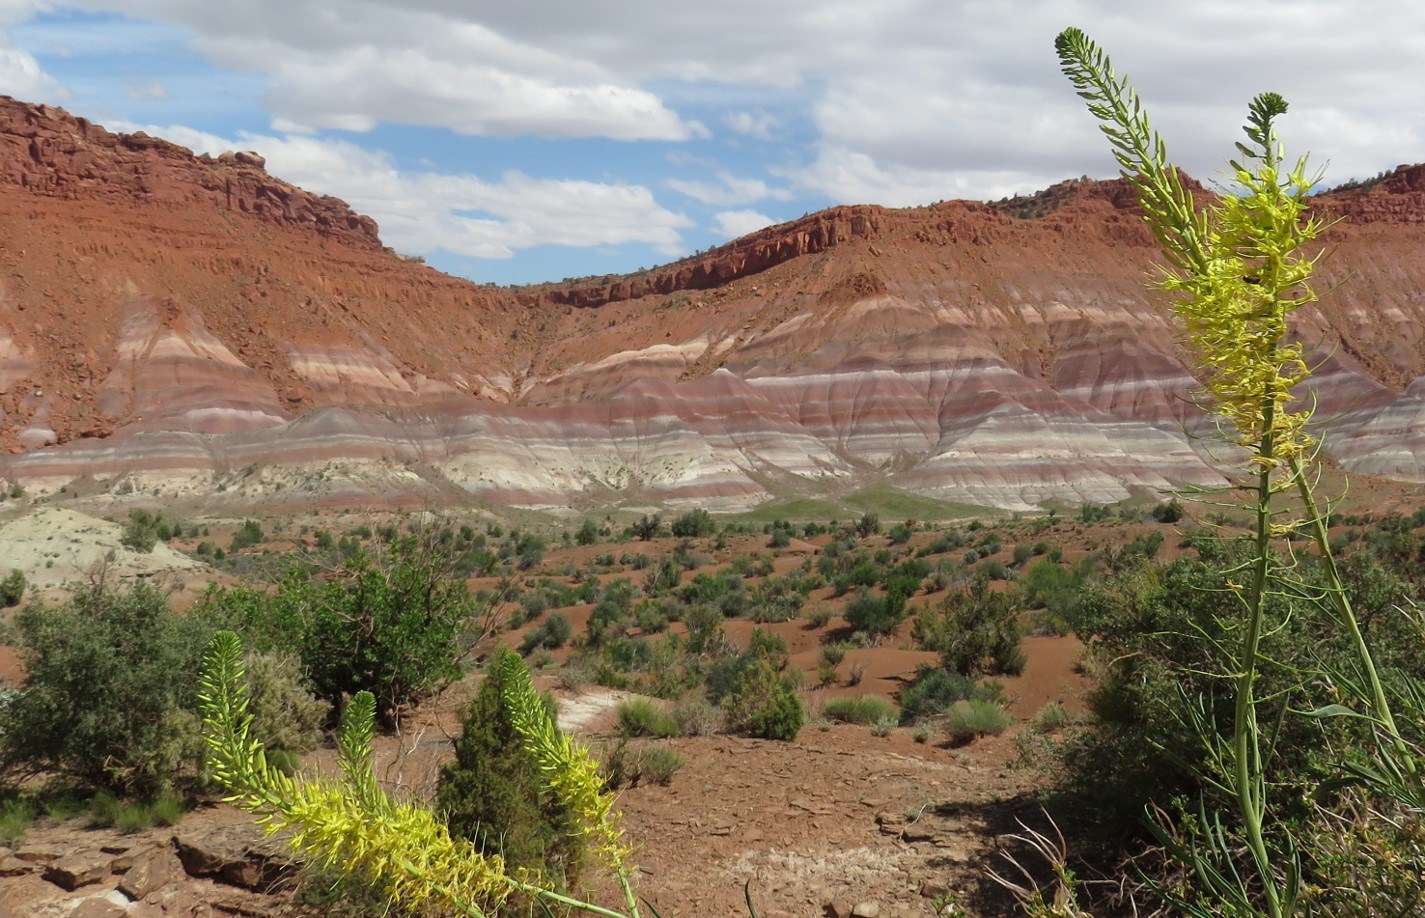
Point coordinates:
[[1380, 705], [628, 893], [1248, 780]]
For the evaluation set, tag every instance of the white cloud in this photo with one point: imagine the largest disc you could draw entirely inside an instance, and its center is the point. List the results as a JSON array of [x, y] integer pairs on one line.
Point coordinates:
[[734, 223], [351, 64], [21, 75], [145, 89], [460, 213], [757, 124], [728, 190], [849, 177], [14, 12], [905, 100]]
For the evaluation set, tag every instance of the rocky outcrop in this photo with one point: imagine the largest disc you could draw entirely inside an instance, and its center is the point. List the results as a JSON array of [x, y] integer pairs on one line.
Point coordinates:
[[199, 328], [49, 152], [231, 867], [741, 258]]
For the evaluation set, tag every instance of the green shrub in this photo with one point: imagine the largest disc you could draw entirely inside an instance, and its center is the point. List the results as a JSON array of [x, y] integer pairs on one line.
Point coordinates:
[[764, 704], [872, 614], [697, 718], [769, 646], [111, 693], [104, 810], [248, 535], [15, 819], [134, 816], [863, 709], [395, 631], [776, 599], [1168, 512], [974, 632], [658, 764], [554, 632], [694, 524], [12, 589], [64, 806], [141, 532], [723, 674], [492, 792], [648, 527], [625, 765], [966, 720], [645, 717], [934, 690]]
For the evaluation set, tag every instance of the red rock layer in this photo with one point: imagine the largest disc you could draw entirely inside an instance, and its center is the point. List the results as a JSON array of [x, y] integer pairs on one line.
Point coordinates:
[[183, 318]]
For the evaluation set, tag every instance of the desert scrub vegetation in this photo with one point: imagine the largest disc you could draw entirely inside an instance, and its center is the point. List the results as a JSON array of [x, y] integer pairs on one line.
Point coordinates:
[[968, 719], [401, 851], [862, 709], [494, 794], [645, 717], [110, 700], [398, 629], [1271, 690]]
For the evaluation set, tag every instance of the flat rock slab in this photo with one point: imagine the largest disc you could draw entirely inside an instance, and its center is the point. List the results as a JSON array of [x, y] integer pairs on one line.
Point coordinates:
[[237, 855], [75, 870], [149, 875], [99, 907]]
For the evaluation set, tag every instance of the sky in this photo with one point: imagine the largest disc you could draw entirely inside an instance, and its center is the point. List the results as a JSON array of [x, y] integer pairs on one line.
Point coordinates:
[[519, 141]]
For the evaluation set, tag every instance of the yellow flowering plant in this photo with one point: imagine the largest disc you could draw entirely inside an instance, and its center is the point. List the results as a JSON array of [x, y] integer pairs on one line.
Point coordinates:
[[352, 827], [1237, 267]]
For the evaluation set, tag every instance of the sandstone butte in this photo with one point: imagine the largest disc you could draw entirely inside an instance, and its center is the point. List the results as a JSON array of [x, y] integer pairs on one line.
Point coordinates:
[[178, 322]]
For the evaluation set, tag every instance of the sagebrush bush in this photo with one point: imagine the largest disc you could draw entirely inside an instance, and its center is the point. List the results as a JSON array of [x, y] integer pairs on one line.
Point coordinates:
[[697, 718], [285, 716], [967, 720], [645, 717], [1053, 716], [658, 764], [863, 709]]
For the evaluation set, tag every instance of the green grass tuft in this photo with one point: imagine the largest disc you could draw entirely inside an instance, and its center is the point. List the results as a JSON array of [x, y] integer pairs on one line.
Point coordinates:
[[966, 720], [863, 709]]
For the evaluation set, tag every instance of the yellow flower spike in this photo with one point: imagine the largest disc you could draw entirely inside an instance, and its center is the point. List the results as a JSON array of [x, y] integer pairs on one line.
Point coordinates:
[[354, 829], [569, 769]]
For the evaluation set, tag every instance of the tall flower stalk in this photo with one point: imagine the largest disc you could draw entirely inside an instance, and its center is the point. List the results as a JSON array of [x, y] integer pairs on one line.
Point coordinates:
[[1237, 270], [354, 828]]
